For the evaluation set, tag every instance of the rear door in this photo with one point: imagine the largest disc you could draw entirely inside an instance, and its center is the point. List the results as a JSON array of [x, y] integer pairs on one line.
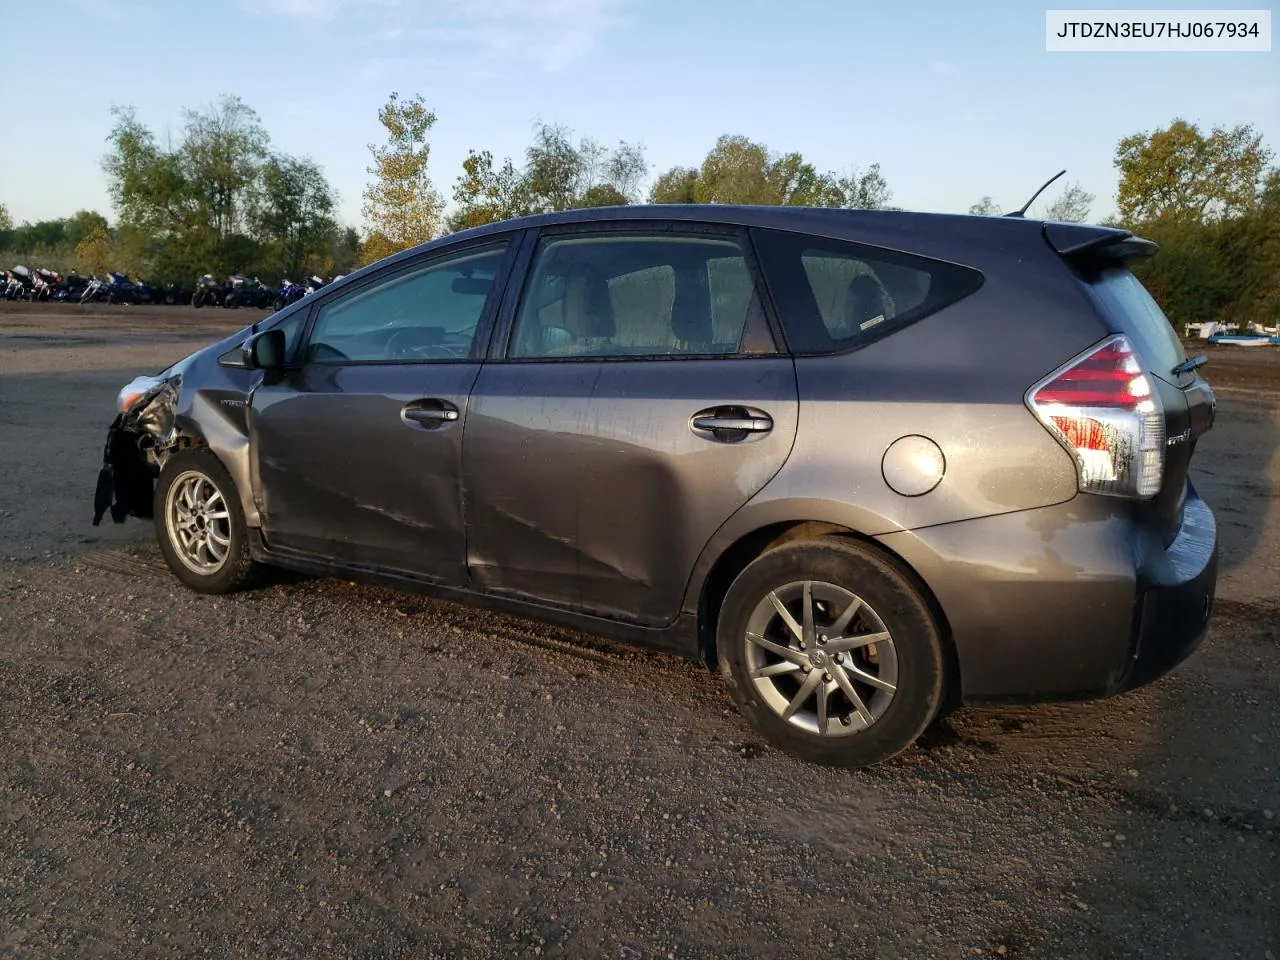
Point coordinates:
[[635, 400], [357, 449]]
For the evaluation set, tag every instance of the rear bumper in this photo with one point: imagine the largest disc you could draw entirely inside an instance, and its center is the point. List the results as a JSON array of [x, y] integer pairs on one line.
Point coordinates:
[[1176, 597], [1073, 600]]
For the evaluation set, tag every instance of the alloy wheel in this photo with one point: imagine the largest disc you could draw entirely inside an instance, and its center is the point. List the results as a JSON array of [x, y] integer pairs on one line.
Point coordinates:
[[821, 658], [198, 522]]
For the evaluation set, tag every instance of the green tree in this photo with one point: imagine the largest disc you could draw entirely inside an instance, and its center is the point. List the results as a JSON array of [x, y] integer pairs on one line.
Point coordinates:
[[80, 224], [1180, 173], [6, 221], [603, 195], [625, 169], [401, 207], [195, 199], [986, 207], [1071, 205], [740, 170], [674, 186], [222, 152], [345, 250], [294, 214], [736, 170], [865, 190], [485, 195], [556, 171]]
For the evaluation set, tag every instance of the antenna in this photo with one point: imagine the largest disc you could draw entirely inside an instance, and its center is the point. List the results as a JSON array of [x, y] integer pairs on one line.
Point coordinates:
[[1018, 213]]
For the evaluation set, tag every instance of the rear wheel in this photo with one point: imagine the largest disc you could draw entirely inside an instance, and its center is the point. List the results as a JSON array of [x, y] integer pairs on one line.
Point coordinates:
[[200, 525], [831, 652]]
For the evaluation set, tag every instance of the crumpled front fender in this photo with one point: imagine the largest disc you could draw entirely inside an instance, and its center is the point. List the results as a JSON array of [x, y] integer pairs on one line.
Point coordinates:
[[131, 459]]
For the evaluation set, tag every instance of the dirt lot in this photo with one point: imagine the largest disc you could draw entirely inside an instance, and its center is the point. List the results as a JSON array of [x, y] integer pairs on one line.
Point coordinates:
[[317, 768]]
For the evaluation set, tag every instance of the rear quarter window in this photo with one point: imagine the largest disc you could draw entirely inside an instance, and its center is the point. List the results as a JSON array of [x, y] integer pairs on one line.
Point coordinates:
[[834, 296]]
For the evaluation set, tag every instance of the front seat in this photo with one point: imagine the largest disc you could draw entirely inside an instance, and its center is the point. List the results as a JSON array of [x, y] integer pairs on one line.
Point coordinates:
[[588, 315]]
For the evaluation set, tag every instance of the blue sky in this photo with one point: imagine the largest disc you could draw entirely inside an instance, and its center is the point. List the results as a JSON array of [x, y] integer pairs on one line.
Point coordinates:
[[954, 100]]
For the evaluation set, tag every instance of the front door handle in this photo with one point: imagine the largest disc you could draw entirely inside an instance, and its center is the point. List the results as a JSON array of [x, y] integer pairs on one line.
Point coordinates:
[[730, 424], [429, 414]]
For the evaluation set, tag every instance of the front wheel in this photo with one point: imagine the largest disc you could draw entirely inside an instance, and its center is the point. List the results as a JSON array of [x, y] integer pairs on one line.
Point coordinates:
[[200, 525], [831, 652]]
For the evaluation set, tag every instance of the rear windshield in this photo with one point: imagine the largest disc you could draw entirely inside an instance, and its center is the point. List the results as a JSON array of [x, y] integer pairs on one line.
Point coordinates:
[[1130, 310], [835, 296]]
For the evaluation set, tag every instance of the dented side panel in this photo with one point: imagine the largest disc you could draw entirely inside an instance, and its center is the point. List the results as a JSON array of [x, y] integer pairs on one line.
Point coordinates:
[[585, 484], [340, 471]]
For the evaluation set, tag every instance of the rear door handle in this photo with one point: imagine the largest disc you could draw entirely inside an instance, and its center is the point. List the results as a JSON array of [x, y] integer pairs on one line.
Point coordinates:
[[429, 414], [730, 424]]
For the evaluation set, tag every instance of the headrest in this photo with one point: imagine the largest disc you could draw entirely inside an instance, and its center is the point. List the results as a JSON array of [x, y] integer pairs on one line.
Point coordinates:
[[864, 302], [691, 308], [588, 308]]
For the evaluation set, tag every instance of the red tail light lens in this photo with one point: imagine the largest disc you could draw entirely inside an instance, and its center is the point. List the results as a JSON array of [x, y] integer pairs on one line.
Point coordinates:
[[1101, 407]]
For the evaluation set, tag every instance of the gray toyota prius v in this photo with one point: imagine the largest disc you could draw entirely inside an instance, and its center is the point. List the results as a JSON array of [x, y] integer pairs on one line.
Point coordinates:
[[866, 465]]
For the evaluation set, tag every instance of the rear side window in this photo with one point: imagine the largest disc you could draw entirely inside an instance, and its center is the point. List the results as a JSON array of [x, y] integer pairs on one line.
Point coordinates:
[[1130, 310], [638, 294], [835, 296]]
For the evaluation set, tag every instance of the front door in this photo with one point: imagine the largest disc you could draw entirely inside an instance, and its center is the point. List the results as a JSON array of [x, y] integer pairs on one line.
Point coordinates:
[[638, 403], [357, 450]]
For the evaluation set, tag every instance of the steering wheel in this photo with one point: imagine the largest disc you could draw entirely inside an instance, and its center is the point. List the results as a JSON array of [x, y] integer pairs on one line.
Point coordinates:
[[401, 345]]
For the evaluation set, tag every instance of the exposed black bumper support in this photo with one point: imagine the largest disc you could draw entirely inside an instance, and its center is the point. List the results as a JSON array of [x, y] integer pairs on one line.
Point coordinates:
[[126, 481]]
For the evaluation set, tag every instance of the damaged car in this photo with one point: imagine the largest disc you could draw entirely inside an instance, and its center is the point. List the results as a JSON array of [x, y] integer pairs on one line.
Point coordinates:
[[866, 465]]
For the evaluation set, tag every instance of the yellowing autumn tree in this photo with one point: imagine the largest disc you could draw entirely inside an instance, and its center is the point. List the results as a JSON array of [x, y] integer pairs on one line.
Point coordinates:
[[93, 253], [401, 207]]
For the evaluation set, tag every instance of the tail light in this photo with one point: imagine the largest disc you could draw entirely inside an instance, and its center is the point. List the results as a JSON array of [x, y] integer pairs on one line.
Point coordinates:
[[1101, 407]]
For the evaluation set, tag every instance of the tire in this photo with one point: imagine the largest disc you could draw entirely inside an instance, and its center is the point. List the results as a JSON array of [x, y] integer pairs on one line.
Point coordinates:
[[197, 299], [906, 663], [223, 565]]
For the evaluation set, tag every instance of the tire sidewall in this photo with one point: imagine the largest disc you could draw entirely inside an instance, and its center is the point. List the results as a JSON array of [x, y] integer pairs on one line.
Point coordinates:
[[234, 573], [895, 600]]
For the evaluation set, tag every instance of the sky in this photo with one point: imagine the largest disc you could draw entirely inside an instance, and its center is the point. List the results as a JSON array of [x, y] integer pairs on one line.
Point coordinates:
[[954, 100]]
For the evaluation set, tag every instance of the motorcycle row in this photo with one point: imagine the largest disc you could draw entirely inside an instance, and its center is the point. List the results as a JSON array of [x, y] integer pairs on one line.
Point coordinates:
[[20, 283]]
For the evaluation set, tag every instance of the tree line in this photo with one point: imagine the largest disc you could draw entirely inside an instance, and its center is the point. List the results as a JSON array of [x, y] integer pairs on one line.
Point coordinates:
[[221, 200]]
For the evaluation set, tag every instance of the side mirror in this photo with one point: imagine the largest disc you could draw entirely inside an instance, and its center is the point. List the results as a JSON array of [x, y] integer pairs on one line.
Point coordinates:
[[263, 351], [266, 350]]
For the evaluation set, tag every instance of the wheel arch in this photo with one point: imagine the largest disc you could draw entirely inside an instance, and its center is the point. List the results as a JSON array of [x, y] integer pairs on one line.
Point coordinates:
[[740, 552]]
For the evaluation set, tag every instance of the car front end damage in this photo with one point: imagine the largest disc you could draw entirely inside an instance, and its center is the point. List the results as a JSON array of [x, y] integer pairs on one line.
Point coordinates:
[[139, 440]]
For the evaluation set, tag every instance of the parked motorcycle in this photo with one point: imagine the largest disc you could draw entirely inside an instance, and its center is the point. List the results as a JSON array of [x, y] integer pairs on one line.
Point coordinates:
[[71, 288], [173, 293], [246, 292], [96, 290], [19, 284], [120, 289], [288, 293], [43, 284], [210, 292], [142, 292]]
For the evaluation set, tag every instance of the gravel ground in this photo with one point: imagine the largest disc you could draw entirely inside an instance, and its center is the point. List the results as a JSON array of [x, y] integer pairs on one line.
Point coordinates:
[[317, 768]]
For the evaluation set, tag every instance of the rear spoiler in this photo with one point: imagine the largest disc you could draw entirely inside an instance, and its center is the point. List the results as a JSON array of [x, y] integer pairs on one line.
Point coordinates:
[[1079, 241]]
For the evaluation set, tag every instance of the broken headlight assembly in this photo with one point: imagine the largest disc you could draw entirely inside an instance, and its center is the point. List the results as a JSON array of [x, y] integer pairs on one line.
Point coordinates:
[[135, 390]]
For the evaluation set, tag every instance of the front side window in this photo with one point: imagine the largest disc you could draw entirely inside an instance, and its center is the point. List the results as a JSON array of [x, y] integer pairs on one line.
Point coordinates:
[[637, 295], [291, 327], [424, 314], [834, 296]]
